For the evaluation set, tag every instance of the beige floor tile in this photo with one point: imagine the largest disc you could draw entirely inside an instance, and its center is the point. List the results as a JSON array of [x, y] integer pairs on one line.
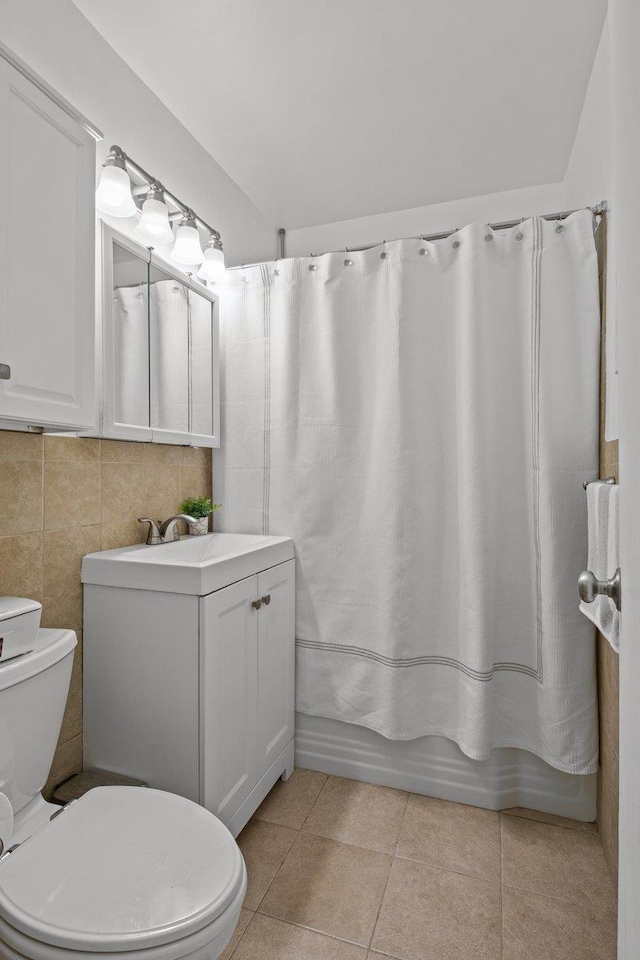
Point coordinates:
[[270, 939], [264, 846], [290, 802], [243, 922], [550, 818], [451, 835], [566, 864], [333, 887], [360, 813], [432, 914], [539, 928]]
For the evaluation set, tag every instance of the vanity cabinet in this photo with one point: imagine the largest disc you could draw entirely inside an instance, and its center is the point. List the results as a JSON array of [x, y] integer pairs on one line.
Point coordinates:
[[159, 368], [193, 694], [47, 304]]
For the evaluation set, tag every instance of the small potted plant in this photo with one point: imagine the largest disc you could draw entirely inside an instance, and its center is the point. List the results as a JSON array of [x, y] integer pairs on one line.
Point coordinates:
[[200, 508]]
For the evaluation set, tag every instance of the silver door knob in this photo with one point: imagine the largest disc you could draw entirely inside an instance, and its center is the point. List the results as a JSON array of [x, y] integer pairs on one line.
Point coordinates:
[[590, 587]]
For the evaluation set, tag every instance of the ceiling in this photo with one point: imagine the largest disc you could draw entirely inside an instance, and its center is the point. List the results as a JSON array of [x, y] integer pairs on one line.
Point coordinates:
[[331, 110]]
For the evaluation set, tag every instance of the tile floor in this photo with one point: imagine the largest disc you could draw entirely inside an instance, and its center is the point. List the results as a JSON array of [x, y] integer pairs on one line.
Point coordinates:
[[343, 870]]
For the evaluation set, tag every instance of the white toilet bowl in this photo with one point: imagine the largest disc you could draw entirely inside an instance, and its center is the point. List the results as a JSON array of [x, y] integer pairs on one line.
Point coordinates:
[[124, 872]]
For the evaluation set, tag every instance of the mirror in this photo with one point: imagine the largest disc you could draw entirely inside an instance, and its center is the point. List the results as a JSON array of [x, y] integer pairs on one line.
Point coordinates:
[[160, 340], [169, 352], [201, 319], [130, 338]]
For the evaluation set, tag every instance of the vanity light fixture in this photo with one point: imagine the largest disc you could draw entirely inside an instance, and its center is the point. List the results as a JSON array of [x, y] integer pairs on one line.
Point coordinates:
[[187, 249], [113, 195], [154, 226], [126, 189], [212, 269]]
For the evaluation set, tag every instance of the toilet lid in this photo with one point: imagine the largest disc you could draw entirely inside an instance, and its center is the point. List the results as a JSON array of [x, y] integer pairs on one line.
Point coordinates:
[[124, 868]]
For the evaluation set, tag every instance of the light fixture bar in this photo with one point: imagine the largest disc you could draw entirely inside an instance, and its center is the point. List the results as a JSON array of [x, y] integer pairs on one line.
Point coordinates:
[[149, 180]]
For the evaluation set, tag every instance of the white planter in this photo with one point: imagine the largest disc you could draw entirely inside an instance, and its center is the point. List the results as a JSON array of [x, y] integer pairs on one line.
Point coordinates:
[[200, 528]]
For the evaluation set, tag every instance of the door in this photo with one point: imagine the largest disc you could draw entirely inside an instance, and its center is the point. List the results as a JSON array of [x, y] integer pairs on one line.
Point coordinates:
[[625, 204], [228, 696], [276, 661], [47, 309]]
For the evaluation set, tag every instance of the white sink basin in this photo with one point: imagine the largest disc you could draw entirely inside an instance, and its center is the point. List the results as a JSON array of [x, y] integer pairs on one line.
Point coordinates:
[[193, 565]]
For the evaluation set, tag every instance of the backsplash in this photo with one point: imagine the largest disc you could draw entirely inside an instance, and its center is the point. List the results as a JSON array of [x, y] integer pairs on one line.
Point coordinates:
[[62, 497]]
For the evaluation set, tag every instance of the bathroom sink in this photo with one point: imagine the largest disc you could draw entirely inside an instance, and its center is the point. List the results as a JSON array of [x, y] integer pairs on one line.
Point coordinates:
[[192, 565]]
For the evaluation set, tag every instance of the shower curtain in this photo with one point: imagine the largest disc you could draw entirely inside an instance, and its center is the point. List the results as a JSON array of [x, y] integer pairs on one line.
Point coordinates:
[[419, 418]]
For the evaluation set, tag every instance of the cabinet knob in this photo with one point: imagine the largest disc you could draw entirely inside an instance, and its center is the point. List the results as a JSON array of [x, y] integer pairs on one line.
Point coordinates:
[[267, 600], [256, 604], [5, 371]]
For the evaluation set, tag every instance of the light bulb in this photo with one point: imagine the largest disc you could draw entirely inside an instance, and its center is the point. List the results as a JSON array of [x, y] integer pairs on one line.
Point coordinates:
[[212, 270], [187, 249], [154, 227], [113, 195]]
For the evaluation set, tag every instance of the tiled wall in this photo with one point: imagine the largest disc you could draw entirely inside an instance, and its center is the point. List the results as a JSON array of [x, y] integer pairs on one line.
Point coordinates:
[[62, 497], [607, 659]]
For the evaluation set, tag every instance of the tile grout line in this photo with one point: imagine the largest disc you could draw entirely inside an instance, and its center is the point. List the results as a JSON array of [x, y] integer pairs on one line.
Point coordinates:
[[280, 866], [384, 892]]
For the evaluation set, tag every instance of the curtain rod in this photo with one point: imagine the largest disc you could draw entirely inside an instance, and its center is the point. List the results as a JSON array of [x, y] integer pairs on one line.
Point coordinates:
[[598, 210]]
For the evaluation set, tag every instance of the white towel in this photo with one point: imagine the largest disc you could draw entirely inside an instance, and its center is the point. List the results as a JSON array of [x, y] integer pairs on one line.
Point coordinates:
[[604, 559]]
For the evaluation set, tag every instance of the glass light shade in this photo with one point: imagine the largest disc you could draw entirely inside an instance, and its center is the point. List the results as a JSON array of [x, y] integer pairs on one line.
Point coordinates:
[[212, 270], [154, 227], [113, 195], [187, 249]]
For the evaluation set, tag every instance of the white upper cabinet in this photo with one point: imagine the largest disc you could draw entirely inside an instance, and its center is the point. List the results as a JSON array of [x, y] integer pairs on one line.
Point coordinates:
[[160, 375], [47, 304]]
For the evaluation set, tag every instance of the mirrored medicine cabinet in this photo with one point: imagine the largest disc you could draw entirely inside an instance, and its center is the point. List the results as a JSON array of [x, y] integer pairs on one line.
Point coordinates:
[[160, 364]]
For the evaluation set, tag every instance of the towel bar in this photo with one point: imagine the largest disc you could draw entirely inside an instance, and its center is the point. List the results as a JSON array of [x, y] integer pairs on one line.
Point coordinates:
[[607, 480]]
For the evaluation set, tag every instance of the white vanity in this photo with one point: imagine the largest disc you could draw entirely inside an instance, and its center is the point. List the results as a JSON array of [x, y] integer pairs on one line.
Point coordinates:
[[189, 667]]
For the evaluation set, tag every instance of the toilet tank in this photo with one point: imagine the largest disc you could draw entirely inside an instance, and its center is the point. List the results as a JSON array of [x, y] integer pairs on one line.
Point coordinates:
[[33, 695]]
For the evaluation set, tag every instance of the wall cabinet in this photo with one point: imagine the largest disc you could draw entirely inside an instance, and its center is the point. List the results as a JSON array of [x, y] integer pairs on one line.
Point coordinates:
[[194, 694], [47, 307], [159, 367]]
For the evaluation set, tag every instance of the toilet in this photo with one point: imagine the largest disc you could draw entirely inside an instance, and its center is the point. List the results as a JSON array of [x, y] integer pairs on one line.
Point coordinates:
[[127, 872]]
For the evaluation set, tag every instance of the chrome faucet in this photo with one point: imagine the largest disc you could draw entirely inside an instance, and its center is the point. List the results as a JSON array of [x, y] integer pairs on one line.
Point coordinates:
[[165, 531]]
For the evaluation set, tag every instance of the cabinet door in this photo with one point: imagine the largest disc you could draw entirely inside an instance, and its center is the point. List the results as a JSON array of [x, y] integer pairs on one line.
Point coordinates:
[[204, 420], [170, 346], [125, 337], [47, 308], [276, 661], [228, 694]]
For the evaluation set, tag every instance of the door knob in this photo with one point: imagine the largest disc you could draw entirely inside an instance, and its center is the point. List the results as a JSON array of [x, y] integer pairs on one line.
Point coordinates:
[[256, 604], [590, 587], [267, 600]]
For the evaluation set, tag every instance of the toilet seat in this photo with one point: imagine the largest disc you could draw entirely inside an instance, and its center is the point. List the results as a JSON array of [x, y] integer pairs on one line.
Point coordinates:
[[120, 871]]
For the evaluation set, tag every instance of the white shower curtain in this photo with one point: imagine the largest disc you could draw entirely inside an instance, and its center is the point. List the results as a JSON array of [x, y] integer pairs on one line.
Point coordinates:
[[420, 418]]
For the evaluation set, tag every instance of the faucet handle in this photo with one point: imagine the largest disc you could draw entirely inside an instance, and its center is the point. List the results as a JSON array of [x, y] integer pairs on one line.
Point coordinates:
[[153, 535]]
